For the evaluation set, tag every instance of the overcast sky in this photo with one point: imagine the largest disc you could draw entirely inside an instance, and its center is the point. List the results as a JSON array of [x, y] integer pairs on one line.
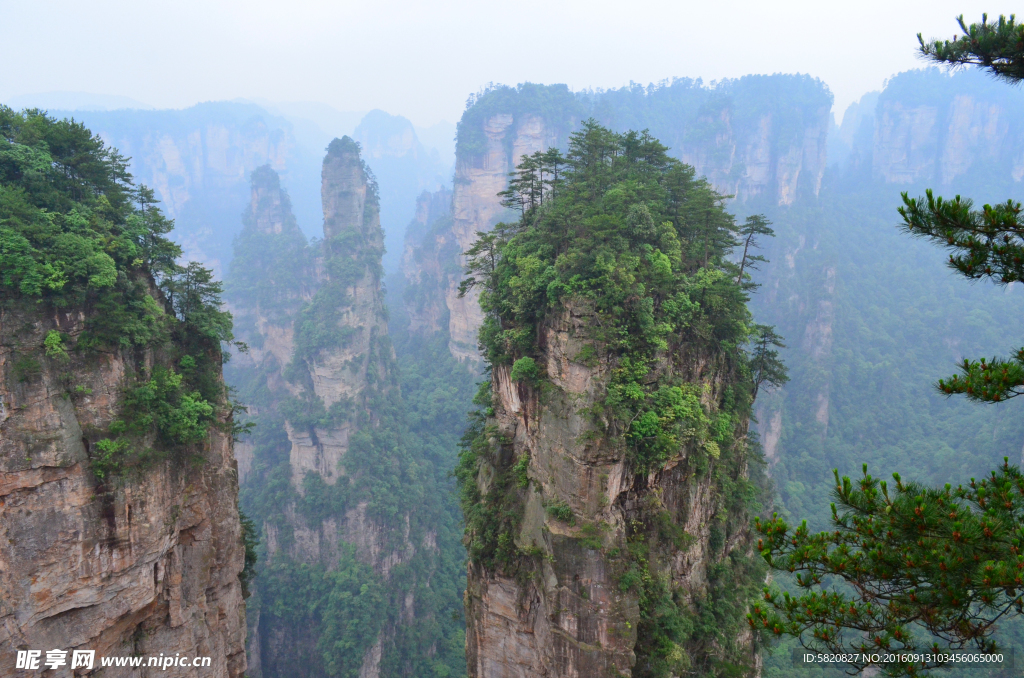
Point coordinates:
[[421, 59]]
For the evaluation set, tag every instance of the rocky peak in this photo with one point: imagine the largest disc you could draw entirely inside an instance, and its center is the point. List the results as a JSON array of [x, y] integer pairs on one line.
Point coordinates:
[[589, 513], [384, 135], [327, 401], [344, 189], [432, 206], [270, 209]]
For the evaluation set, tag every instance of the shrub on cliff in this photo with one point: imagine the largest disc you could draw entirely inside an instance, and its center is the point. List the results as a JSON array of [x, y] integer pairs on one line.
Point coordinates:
[[619, 225]]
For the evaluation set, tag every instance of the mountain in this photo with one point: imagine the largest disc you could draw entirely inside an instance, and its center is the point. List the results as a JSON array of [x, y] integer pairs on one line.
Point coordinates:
[[118, 485], [360, 565], [759, 136], [403, 167], [608, 481]]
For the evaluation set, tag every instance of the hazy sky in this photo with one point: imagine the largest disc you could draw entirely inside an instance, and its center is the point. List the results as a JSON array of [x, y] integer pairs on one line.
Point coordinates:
[[422, 59]]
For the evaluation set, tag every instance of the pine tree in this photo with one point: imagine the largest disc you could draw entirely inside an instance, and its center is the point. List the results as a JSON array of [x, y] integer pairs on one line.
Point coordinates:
[[927, 570], [755, 225], [985, 243], [765, 365], [998, 47]]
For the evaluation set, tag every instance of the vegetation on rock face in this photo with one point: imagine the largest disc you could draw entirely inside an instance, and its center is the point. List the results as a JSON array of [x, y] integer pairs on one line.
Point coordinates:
[[922, 569], [74, 226], [618, 227], [403, 431], [630, 231], [75, 232]]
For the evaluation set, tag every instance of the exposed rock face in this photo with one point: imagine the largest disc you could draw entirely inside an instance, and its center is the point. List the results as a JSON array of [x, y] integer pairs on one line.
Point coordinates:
[[817, 342], [344, 372], [570, 617], [943, 141], [340, 374], [145, 566], [939, 129], [754, 161], [430, 252]]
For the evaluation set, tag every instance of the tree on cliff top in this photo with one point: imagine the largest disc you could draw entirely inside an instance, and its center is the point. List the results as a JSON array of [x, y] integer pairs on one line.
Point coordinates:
[[926, 570], [75, 230]]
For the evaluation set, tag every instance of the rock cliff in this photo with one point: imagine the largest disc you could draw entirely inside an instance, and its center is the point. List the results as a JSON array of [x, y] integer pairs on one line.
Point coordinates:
[[118, 488], [601, 525], [572, 616], [326, 471], [144, 565], [429, 253], [944, 130]]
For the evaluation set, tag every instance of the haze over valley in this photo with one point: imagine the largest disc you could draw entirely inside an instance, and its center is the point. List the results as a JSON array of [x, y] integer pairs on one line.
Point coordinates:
[[396, 349]]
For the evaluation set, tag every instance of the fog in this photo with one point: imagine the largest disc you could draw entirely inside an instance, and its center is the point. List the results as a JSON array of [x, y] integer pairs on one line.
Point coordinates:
[[422, 59]]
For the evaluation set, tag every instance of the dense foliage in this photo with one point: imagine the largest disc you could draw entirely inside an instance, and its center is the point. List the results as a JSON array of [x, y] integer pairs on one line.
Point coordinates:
[[947, 561], [76, 232], [74, 226], [619, 225], [618, 229]]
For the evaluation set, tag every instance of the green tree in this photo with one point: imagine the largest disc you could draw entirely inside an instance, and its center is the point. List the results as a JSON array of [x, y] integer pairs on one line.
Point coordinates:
[[766, 366], [76, 231], [998, 47], [755, 225], [196, 299], [986, 243], [909, 569]]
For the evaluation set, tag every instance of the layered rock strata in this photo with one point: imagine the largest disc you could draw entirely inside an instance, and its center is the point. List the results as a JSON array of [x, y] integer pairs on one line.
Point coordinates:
[[567, 613], [324, 346], [143, 565]]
